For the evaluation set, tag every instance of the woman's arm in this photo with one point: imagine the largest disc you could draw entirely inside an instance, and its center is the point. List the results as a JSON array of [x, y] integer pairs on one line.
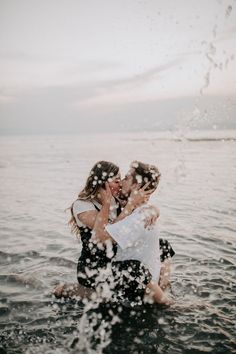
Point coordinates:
[[99, 232], [97, 220], [88, 218]]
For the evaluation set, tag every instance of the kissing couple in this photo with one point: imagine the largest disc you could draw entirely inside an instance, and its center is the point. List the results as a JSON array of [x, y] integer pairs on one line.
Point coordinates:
[[122, 256]]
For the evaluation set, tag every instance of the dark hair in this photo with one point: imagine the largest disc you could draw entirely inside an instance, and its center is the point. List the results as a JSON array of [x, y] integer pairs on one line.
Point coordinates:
[[101, 172], [143, 173]]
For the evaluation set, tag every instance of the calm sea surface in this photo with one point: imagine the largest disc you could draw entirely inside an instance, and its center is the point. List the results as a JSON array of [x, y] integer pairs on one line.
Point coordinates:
[[39, 178]]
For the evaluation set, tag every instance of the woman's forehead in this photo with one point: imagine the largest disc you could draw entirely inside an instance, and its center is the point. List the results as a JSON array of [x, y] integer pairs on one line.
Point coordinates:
[[118, 176]]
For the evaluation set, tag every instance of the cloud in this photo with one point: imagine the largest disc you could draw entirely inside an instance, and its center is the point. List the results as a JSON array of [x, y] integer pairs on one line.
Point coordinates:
[[116, 89], [90, 89]]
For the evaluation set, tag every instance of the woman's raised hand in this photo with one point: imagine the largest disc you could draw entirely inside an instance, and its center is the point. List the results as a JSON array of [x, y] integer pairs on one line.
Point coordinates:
[[139, 195], [105, 195], [152, 213]]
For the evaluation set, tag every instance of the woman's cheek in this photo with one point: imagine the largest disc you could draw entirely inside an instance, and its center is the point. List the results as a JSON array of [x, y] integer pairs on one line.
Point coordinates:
[[114, 188]]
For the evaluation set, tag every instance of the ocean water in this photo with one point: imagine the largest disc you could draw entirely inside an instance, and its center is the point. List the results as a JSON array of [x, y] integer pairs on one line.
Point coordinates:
[[40, 176]]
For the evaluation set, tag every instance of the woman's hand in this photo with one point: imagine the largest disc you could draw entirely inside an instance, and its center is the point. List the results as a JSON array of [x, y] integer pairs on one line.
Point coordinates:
[[139, 196], [99, 232], [105, 195], [152, 213]]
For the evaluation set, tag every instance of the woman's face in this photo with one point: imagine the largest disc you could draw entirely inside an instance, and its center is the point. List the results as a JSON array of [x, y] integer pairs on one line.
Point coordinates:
[[115, 185]]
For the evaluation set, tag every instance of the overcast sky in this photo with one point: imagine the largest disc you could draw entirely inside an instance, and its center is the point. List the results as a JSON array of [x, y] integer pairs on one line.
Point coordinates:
[[68, 64]]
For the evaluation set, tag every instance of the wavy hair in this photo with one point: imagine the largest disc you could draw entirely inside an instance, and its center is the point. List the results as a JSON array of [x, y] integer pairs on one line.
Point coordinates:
[[102, 172]]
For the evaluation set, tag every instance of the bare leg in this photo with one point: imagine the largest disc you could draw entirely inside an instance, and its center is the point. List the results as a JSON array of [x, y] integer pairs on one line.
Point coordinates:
[[164, 280], [72, 291]]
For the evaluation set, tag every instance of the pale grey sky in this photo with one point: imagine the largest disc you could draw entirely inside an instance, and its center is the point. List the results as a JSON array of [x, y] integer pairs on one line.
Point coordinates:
[[81, 63]]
